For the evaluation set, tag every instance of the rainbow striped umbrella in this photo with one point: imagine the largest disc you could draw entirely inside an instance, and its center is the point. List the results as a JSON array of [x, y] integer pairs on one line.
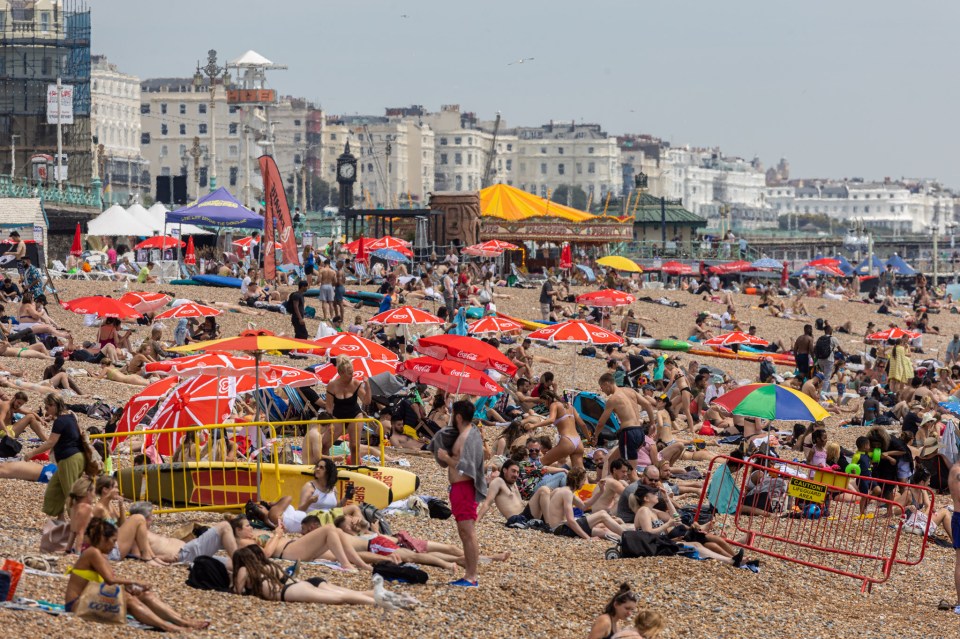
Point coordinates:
[[770, 401]]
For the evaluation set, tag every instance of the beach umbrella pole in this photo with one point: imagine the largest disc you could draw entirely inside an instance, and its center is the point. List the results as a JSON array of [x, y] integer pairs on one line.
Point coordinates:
[[256, 418]]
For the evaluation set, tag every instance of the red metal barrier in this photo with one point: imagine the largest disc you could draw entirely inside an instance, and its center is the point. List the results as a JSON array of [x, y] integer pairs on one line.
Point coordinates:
[[810, 516]]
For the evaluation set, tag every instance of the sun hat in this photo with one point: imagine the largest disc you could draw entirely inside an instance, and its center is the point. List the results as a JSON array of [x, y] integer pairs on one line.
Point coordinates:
[[931, 445]]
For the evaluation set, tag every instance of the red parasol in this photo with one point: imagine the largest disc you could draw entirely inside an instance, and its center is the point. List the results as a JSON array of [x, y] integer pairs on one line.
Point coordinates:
[[246, 243], [362, 369], [491, 324], [362, 250], [76, 249], [160, 242], [405, 315], [138, 406], [201, 400], [891, 334], [736, 337], [352, 346], [145, 301], [676, 268], [497, 245], [190, 257], [606, 297], [447, 376], [468, 351], [566, 257], [190, 309], [101, 307], [477, 251], [740, 266], [576, 332], [275, 375], [214, 363], [784, 275]]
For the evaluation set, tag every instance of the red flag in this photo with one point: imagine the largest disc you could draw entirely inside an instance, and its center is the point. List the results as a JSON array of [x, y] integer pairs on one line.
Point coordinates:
[[277, 209], [190, 257]]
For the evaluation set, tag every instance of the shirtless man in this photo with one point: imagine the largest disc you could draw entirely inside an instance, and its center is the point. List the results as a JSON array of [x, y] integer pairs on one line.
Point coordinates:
[[954, 484], [607, 493], [558, 512], [10, 406], [505, 495], [803, 351], [623, 403], [328, 280]]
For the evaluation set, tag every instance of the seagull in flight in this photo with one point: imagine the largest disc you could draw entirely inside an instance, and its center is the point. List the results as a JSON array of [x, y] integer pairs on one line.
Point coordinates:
[[403, 15], [520, 61]]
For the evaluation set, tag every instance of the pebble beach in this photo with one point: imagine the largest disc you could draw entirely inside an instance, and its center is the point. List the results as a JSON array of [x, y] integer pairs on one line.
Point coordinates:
[[550, 586]]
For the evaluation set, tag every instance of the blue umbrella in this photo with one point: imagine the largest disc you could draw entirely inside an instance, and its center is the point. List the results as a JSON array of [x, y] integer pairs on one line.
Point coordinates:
[[591, 276], [390, 255], [767, 262]]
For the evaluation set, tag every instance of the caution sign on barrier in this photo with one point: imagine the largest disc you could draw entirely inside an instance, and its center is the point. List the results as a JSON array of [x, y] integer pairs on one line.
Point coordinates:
[[807, 490]]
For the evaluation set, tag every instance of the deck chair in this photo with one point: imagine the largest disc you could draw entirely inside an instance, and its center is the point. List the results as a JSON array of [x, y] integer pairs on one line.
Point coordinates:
[[299, 407], [722, 491], [361, 270], [272, 407], [524, 281]]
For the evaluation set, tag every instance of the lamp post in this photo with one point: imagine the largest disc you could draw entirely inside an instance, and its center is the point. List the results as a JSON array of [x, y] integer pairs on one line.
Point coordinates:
[[212, 73], [195, 153]]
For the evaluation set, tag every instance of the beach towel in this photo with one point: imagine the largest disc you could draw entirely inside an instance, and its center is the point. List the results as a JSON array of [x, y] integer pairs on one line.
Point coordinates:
[[948, 442], [722, 492]]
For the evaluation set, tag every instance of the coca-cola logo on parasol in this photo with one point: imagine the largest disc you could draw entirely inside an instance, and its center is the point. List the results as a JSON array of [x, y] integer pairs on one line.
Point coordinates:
[[223, 386], [491, 387], [422, 368], [141, 412], [465, 355], [503, 368]]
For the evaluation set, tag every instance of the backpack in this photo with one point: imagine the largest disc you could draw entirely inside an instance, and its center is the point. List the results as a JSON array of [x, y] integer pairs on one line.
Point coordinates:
[[208, 573], [822, 349]]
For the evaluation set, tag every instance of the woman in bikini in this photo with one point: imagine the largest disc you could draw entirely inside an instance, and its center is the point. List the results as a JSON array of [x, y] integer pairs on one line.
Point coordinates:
[[92, 566], [33, 351], [564, 416], [343, 394], [109, 504], [255, 575], [325, 542], [109, 333], [108, 372], [620, 608], [37, 320], [144, 355]]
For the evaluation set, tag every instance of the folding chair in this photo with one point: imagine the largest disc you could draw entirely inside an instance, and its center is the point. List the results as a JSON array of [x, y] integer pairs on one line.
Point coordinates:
[[524, 281]]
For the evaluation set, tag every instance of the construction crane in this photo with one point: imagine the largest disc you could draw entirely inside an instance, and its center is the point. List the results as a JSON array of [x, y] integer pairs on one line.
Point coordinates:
[[487, 179]]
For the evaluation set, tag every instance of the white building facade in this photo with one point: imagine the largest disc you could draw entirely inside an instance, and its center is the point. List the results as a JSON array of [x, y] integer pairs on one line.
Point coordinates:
[[897, 207], [115, 122]]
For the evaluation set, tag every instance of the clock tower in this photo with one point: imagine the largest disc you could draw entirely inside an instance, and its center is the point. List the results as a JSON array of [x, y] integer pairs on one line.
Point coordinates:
[[346, 176]]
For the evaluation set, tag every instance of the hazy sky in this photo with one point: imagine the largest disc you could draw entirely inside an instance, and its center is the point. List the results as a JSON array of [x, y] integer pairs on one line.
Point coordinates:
[[841, 89]]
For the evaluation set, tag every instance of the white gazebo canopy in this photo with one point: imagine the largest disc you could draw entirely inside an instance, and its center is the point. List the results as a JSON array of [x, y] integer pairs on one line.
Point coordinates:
[[116, 221]]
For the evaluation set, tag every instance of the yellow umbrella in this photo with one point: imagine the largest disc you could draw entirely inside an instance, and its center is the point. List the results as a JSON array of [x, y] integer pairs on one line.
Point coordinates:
[[620, 263]]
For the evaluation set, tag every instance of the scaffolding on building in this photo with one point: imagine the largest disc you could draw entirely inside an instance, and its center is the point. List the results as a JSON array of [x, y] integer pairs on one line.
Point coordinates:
[[41, 40]]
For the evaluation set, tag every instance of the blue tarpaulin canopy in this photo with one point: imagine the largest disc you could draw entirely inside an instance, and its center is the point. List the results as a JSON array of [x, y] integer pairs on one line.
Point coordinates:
[[217, 209], [864, 269], [845, 265], [900, 267], [768, 262]]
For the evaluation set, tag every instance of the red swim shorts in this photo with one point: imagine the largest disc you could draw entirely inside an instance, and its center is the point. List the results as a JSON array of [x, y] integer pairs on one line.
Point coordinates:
[[463, 501], [382, 545]]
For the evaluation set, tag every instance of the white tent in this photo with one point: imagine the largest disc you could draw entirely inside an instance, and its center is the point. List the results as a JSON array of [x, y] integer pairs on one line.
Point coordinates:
[[116, 221], [141, 214], [158, 214]]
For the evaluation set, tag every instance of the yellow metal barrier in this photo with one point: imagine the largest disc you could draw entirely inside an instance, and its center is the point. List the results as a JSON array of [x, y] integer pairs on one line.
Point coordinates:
[[206, 471]]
